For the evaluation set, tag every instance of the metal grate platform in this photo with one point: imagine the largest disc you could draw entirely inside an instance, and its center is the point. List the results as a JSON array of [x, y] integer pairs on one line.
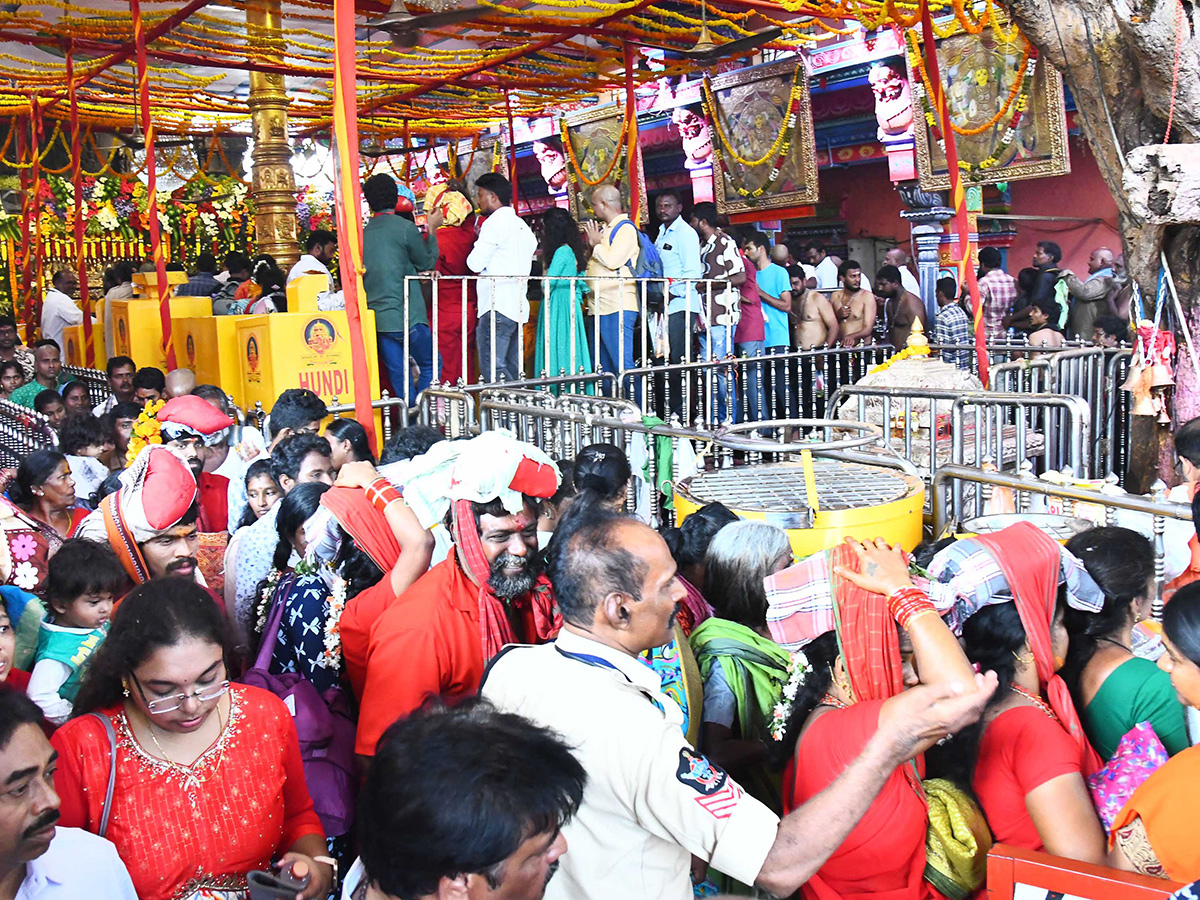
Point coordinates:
[[779, 487]]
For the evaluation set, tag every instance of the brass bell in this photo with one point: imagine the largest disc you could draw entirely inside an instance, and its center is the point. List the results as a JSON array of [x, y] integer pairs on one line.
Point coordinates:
[[1160, 375], [1133, 381]]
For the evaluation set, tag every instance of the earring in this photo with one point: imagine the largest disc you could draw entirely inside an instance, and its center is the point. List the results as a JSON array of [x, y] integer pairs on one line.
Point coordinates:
[[1023, 660], [125, 685]]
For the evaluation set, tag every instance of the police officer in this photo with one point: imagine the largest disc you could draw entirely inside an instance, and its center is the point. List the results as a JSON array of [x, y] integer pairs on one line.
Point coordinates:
[[652, 801]]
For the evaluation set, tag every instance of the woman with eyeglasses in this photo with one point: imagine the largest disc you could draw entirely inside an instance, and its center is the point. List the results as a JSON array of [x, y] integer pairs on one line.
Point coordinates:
[[208, 783]]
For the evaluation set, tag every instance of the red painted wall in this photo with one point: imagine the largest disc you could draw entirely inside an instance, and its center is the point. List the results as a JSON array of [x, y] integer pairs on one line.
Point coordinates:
[[870, 206]]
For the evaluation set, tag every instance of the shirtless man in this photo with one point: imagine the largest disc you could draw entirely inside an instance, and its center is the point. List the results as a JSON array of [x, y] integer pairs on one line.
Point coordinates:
[[854, 307], [902, 307], [815, 323]]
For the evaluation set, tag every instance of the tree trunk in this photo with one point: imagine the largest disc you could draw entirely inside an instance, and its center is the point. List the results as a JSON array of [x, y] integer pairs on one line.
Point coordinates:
[[1119, 60]]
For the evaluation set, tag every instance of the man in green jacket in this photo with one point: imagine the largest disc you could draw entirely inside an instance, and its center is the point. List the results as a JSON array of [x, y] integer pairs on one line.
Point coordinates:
[[394, 249]]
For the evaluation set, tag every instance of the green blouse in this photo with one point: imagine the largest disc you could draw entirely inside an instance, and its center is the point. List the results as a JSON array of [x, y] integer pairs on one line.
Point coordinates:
[[1136, 691]]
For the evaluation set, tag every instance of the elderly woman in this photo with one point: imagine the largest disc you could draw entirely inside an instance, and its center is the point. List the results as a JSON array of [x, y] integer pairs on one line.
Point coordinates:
[[206, 772], [1155, 833], [45, 489], [744, 671]]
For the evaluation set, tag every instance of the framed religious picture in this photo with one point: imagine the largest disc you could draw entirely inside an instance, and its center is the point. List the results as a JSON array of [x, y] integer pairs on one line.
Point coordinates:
[[596, 145], [764, 152], [476, 157], [1006, 107]]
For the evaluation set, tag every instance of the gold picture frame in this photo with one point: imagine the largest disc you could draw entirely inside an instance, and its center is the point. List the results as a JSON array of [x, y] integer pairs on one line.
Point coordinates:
[[752, 106], [594, 135], [1040, 148], [475, 162]]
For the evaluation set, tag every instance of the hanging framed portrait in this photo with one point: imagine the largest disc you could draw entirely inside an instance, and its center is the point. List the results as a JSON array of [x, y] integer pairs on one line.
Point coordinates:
[[763, 143], [1006, 107], [596, 144]]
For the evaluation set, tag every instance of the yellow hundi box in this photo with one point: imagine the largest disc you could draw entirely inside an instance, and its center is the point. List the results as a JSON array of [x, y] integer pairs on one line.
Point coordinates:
[[208, 345], [302, 293], [138, 327], [73, 351], [301, 350]]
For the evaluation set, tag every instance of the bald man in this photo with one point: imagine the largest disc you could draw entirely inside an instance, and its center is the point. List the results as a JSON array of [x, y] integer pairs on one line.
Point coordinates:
[[614, 295], [180, 383], [898, 258], [782, 256], [1088, 297]]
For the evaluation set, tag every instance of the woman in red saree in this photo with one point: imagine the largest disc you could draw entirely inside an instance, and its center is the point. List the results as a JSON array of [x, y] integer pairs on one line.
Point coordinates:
[[841, 696], [455, 239], [209, 783]]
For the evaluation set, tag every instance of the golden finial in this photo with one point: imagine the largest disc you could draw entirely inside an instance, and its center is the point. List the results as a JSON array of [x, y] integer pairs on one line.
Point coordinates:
[[917, 344]]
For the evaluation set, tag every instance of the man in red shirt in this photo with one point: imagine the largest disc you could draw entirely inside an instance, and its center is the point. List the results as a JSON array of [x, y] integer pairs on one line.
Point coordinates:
[[436, 639]]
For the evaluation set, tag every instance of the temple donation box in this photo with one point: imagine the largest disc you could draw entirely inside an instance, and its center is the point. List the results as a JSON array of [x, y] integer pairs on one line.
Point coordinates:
[[138, 331], [301, 350], [73, 350], [208, 345]]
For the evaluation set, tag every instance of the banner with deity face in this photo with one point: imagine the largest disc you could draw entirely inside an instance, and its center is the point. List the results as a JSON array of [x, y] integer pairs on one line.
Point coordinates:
[[596, 144], [1006, 106], [762, 137]]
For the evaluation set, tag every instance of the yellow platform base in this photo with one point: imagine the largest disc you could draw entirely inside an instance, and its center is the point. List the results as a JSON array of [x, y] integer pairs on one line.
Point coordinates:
[[138, 327], [208, 345], [897, 517]]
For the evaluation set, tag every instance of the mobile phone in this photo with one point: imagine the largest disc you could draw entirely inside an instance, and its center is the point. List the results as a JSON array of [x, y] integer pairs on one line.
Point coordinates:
[[280, 884]]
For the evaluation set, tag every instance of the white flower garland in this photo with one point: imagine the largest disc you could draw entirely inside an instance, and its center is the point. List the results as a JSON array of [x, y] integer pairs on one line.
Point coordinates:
[[332, 657], [798, 669], [264, 601]]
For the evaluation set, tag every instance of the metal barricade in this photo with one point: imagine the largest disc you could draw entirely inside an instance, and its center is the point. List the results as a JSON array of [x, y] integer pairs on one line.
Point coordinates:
[[22, 431], [930, 428], [949, 479], [96, 381], [1113, 440], [385, 403], [1026, 376]]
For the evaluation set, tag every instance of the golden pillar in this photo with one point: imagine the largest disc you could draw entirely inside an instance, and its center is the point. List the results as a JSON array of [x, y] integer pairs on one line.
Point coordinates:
[[272, 182]]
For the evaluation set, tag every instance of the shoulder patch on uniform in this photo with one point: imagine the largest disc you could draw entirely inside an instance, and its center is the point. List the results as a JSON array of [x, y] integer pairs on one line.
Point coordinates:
[[698, 773]]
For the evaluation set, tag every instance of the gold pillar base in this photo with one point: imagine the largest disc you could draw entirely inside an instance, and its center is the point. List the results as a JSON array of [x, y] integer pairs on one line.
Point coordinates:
[[272, 182]]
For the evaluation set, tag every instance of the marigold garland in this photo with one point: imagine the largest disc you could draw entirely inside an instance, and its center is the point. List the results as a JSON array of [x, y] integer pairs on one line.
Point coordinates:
[[146, 430], [570, 148]]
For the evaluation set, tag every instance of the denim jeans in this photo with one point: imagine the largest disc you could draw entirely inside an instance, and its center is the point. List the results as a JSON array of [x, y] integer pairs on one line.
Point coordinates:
[[420, 348], [617, 333], [679, 336], [756, 400], [717, 343], [505, 353]]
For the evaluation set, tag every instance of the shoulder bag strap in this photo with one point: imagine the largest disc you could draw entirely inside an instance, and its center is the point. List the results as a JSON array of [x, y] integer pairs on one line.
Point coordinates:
[[112, 771], [270, 633]]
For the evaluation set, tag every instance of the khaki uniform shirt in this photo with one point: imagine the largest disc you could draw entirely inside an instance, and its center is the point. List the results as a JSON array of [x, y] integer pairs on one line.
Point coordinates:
[[651, 801], [610, 260]]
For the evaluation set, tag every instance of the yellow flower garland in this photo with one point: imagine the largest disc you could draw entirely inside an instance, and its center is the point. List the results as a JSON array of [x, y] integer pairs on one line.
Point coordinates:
[[146, 430]]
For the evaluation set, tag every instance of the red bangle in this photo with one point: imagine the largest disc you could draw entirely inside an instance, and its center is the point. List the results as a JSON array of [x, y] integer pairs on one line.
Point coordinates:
[[381, 494], [906, 603]]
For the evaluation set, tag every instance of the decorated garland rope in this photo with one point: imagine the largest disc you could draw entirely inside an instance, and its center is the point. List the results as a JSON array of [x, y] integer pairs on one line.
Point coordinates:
[[569, 147], [1018, 83], [785, 129]]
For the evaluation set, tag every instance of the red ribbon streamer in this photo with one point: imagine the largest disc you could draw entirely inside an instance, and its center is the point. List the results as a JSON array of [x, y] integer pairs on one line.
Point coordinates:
[[957, 193], [89, 346], [635, 195], [348, 196], [156, 247]]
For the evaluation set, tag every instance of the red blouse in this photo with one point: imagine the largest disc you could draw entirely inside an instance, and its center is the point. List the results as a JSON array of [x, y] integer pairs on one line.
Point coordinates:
[[240, 805], [1021, 749], [884, 856]]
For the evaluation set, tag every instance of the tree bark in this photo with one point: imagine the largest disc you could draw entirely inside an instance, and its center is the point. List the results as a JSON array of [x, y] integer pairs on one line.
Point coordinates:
[[1119, 59]]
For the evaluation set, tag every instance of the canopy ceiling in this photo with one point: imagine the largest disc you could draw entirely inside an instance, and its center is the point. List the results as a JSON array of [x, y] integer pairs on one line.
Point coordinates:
[[545, 55]]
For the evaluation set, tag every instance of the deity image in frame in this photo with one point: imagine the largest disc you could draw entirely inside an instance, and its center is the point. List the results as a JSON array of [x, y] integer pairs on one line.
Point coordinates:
[[595, 136], [980, 73], [752, 106]]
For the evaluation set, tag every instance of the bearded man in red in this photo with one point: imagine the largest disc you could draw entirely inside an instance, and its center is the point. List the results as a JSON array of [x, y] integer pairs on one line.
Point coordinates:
[[437, 638]]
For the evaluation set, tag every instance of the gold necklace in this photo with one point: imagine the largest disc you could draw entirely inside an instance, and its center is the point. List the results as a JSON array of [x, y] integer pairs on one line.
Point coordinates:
[[1034, 699], [193, 780]]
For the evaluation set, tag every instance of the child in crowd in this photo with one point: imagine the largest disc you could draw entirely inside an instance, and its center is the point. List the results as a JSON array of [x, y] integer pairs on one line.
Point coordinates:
[[84, 577], [12, 376], [262, 491]]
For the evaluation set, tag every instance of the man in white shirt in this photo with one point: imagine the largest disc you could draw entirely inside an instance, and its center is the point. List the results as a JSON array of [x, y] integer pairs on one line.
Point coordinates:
[[58, 306], [503, 255], [652, 801], [826, 267], [319, 249], [679, 246], [37, 860]]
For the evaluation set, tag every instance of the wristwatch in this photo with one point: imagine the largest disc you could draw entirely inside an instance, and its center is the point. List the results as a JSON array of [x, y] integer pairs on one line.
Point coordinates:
[[332, 863]]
